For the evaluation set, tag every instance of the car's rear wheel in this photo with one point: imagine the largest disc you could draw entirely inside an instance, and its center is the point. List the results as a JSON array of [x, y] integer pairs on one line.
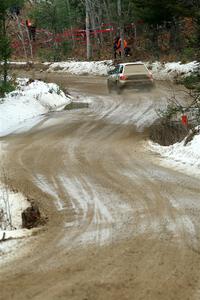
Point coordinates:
[[118, 88], [149, 87], [109, 86]]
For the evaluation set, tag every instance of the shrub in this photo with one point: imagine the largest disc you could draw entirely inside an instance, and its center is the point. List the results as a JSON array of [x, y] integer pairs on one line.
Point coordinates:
[[192, 82], [167, 133], [6, 88], [187, 54], [168, 129]]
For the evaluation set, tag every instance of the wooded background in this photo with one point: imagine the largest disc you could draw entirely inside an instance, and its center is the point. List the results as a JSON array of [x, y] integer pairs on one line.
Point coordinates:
[[85, 29]]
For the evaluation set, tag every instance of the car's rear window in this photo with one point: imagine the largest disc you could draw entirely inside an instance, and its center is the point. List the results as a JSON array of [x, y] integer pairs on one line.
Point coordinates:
[[118, 69], [135, 69]]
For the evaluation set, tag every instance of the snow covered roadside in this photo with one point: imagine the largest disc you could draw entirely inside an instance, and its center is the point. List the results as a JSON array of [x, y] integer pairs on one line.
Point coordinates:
[[183, 157], [173, 70], [82, 67], [160, 71], [28, 101], [12, 204], [19, 63], [22, 108]]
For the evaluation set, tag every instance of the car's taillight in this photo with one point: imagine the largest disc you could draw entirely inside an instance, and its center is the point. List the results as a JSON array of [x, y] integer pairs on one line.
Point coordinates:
[[150, 76], [122, 77]]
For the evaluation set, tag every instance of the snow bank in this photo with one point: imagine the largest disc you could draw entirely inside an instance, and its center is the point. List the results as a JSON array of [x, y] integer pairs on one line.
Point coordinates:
[[83, 67], [30, 100], [27, 103], [182, 157], [20, 63], [160, 71], [173, 70], [14, 234], [12, 204]]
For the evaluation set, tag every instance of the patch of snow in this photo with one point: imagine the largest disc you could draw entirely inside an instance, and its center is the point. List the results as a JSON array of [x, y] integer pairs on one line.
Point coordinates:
[[46, 63], [48, 188], [173, 70], [83, 67], [29, 101], [140, 111], [20, 63], [14, 234], [8, 249], [12, 204], [160, 71], [184, 157]]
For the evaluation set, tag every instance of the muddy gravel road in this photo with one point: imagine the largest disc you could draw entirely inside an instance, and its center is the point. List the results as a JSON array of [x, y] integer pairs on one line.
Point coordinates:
[[120, 226]]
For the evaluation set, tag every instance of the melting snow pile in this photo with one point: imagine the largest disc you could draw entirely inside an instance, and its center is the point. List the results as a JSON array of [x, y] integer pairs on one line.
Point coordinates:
[[30, 100], [183, 156], [83, 67], [173, 70], [160, 71], [12, 204]]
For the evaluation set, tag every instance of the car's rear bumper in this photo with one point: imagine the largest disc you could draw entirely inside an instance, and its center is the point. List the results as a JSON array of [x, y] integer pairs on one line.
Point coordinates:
[[135, 83]]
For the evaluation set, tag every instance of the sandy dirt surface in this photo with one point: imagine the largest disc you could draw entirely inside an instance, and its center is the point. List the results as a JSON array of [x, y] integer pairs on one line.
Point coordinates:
[[120, 226]]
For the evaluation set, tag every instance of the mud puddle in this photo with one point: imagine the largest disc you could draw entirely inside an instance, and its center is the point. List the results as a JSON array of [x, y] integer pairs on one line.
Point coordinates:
[[76, 105]]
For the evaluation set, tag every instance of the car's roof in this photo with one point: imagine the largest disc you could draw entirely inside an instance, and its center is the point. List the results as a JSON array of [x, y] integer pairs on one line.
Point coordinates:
[[132, 63]]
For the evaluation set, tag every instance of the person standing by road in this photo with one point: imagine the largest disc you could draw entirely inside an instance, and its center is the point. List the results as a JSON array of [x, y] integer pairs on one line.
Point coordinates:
[[118, 49], [31, 29]]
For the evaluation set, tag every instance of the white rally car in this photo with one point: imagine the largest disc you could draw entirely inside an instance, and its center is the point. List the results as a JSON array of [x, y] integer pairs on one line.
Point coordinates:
[[134, 74]]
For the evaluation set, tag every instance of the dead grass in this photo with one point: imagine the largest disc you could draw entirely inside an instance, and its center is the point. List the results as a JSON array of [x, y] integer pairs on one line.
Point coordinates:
[[167, 133]]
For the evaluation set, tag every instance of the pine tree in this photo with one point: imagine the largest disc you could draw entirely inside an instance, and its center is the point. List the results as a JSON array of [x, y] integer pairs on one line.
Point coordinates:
[[6, 7], [155, 13]]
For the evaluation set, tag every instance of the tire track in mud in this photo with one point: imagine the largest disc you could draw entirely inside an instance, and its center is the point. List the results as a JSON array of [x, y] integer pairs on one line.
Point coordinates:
[[120, 226]]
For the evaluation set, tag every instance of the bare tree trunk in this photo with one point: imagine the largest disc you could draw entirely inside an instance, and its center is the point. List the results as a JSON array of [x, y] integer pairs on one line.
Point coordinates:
[[22, 38], [135, 36], [70, 19], [87, 25], [29, 41], [99, 21], [108, 10], [5, 64], [92, 17], [121, 26]]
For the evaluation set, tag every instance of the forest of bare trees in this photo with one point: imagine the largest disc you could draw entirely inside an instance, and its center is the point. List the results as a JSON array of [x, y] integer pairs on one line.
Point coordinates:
[[86, 29]]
